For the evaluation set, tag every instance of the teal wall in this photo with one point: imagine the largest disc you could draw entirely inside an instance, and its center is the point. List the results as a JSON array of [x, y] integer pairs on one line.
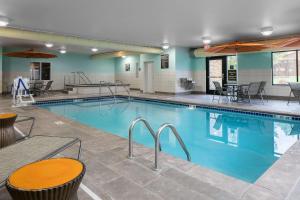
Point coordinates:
[[261, 60], [63, 63], [155, 58], [198, 64], [120, 63], [150, 58], [183, 59]]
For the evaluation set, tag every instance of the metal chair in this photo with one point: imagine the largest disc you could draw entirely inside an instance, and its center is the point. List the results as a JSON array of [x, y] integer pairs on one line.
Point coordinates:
[[262, 91], [44, 90], [251, 90], [220, 91], [295, 90]]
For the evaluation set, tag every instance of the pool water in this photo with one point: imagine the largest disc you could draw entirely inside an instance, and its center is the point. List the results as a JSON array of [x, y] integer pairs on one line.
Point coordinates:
[[239, 145]]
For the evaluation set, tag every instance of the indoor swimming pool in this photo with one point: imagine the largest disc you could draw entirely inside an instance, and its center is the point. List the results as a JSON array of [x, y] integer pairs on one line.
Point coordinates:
[[240, 145]]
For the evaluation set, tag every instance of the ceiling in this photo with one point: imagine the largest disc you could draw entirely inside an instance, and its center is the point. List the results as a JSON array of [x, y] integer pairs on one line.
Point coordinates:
[[26, 44], [150, 23]]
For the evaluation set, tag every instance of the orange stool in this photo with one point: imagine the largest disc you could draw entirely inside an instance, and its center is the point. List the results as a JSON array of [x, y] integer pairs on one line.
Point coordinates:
[[7, 133], [52, 179]]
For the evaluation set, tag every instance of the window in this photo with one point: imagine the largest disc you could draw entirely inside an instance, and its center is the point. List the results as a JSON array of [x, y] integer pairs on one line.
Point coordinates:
[[285, 67], [40, 71], [45, 68], [231, 62]]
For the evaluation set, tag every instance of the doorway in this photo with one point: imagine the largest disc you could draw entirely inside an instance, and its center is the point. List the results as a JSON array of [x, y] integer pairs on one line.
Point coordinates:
[[148, 77], [216, 71]]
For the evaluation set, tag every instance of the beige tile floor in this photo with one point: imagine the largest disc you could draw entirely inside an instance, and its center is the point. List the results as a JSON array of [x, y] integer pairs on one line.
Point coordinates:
[[110, 175]]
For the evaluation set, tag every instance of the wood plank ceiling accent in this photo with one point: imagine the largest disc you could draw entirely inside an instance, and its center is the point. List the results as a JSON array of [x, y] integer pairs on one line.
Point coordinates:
[[281, 44]]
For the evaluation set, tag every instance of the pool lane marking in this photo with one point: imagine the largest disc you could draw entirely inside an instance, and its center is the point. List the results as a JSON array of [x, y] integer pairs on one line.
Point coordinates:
[[89, 192]]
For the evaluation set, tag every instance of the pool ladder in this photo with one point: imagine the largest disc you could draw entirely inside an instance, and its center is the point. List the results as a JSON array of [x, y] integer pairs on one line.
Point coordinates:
[[156, 137]]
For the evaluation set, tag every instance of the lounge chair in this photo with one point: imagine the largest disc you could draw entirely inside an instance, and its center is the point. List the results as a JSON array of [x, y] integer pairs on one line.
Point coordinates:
[[295, 90], [33, 149], [219, 90], [43, 90], [9, 132]]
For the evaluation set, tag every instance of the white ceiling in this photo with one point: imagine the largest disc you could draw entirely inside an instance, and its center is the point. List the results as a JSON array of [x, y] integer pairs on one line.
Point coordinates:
[[26, 44], [152, 22]]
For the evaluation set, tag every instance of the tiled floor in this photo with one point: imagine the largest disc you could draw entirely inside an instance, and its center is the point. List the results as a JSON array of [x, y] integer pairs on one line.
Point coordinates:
[[110, 175]]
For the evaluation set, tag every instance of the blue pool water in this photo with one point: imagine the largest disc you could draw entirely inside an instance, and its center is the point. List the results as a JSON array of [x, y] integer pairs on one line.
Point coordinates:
[[240, 145]]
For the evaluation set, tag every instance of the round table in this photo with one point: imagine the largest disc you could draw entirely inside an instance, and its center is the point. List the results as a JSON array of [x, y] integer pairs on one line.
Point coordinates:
[[52, 179], [7, 133]]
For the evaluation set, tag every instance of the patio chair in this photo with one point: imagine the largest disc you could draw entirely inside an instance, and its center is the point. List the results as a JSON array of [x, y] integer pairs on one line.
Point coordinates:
[[219, 90], [262, 91], [251, 90], [43, 90], [33, 149], [295, 90]]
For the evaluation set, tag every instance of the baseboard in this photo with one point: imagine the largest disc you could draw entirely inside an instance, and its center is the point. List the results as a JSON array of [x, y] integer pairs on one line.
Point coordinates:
[[198, 92]]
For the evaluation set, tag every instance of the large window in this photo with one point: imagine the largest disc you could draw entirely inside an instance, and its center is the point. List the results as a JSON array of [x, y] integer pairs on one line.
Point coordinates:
[[40, 71], [285, 67]]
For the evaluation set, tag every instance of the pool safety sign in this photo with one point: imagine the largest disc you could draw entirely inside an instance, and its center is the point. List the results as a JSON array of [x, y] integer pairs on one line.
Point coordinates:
[[232, 75]]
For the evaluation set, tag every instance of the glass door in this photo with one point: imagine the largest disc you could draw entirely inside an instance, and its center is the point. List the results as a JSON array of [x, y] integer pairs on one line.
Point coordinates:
[[216, 71]]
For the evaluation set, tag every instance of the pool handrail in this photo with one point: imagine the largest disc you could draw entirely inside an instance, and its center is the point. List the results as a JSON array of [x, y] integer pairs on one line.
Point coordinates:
[[130, 132], [157, 142]]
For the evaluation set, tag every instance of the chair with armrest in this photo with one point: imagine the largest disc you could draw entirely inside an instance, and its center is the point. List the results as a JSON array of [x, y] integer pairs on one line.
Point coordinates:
[[219, 90], [295, 90]]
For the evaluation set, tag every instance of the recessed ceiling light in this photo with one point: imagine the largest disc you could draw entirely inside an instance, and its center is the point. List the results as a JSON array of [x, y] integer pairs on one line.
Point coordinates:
[[123, 56], [63, 51], [165, 46], [94, 49], [266, 31], [206, 40], [49, 45], [4, 21]]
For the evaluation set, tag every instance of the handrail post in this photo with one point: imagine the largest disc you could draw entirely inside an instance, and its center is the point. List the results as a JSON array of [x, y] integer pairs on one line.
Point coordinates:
[[156, 168], [157, 139], [130, 132]]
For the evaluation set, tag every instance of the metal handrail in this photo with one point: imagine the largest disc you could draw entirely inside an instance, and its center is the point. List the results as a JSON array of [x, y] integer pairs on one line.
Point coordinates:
[[103, 83], [84, 77], [157, 143], [24, 119], [121, 83], [134, 122]]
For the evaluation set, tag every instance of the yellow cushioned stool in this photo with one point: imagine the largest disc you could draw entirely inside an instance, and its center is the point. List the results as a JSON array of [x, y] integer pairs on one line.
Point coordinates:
[[7, 134], [52, 179]]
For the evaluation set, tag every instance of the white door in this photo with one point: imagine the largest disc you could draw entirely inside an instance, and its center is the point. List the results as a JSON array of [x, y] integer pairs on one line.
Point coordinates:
[[148, 77]]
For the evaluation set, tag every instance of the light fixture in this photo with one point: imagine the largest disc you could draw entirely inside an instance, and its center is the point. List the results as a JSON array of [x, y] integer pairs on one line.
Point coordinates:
[[123, 56], [94, 49], [266, 31], [49, 45], [4, 21], [165, 46], [206, 40], [63, 51]]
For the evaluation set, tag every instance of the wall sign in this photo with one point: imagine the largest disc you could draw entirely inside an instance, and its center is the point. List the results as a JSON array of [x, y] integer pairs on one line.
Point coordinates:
[[232, 75], [127, 67], [164, 61]]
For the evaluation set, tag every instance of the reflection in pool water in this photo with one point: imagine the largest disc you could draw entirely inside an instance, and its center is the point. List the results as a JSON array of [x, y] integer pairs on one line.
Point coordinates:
[[239, 145]]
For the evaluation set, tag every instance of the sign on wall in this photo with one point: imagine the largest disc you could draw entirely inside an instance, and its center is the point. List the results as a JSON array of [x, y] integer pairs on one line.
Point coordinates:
[[127, 67], [232, 75], [164, 61]]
